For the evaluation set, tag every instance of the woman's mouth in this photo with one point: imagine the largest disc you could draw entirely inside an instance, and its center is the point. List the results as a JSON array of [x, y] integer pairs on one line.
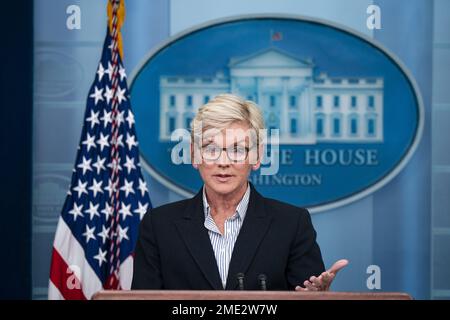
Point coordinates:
[[223, 177]]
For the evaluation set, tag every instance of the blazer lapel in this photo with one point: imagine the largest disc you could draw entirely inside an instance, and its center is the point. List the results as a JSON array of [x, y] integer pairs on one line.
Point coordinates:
[[195, 235], [253, 230]]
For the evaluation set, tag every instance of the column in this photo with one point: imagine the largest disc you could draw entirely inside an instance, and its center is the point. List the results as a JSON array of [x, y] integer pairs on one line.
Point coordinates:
[[284, 114]]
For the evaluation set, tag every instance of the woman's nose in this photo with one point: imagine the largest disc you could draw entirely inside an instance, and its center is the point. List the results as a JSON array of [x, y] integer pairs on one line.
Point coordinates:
[[223, 159]]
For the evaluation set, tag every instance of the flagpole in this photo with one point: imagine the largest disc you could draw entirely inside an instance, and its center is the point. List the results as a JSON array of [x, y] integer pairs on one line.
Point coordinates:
[[114, 250]]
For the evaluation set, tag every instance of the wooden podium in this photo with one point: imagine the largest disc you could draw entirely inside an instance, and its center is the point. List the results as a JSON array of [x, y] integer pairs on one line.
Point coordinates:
[[245, 295]]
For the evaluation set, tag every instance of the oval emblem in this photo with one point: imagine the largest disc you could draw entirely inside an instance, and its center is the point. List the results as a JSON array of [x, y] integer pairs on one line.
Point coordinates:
[[349, 114]]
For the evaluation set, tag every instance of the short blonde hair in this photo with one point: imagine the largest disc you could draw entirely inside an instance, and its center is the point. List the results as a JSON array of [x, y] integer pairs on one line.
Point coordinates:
[[225, 109]]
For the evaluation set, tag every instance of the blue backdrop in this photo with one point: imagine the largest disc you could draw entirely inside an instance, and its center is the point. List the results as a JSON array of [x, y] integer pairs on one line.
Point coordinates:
[[391, 228]]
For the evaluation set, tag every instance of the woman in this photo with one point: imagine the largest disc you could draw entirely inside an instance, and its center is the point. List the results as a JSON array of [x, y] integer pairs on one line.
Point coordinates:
[[229, 236]]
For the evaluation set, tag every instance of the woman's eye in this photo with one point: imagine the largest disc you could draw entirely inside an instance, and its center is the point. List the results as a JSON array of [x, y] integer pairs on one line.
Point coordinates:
[[211, 149]]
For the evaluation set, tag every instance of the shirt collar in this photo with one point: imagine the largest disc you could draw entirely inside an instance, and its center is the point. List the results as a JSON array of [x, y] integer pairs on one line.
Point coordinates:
[[241, 208]]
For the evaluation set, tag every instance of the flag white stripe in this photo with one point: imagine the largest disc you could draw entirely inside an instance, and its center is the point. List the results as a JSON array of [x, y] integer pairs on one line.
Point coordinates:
[[126, 273], [53, 292], [73, 254]]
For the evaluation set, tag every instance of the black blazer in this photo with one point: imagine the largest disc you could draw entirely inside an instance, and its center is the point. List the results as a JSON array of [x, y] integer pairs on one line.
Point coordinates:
[[174, 251]]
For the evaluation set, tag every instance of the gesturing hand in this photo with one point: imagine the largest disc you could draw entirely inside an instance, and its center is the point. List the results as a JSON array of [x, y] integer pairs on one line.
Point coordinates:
[[323, 282]]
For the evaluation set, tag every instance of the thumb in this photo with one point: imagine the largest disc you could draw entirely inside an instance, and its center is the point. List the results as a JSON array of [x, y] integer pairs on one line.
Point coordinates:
[[338, 265]]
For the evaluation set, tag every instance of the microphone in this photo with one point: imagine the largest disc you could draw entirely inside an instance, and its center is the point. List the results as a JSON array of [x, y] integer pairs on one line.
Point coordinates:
[[240, 277], [262, 281]]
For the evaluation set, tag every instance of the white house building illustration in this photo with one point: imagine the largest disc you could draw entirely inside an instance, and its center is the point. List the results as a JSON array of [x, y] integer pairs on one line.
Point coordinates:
[[307, 109]]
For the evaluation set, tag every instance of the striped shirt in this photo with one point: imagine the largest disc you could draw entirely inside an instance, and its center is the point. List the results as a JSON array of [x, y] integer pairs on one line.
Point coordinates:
[[223, 244]]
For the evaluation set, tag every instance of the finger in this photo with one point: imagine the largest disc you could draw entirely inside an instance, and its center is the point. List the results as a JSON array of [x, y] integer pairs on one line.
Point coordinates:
[[310, 286], [326, 280], [298, 288], [338, 265], [325, 277], [329, 280], [317, 282]]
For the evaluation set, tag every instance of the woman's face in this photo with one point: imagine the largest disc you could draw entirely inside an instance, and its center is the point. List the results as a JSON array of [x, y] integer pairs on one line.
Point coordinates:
[[221, 174]]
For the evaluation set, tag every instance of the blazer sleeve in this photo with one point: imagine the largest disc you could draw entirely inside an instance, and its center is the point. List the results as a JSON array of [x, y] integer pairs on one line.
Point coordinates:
[[305, 258], [147, 266]]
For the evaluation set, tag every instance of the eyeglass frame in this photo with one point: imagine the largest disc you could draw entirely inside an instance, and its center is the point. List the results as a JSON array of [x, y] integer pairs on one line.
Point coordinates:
[[247, 151]]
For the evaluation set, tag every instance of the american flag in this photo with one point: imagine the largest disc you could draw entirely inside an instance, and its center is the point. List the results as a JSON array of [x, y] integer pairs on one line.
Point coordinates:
[[98, 226]]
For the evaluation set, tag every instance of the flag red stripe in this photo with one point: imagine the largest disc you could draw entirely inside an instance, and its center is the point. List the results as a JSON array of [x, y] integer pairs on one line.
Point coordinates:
[[60, 277]]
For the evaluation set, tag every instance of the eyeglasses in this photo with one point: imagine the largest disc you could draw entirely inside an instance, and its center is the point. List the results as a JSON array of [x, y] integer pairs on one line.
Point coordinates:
[[212, 152]]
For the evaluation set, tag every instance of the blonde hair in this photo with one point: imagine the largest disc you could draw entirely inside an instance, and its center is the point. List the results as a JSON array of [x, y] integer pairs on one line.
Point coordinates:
[[225, 109]]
